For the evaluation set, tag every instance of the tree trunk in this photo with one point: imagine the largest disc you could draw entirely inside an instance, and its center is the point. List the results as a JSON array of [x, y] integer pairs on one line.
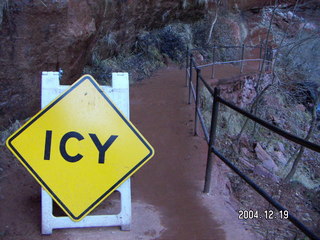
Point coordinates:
[[301, 150], [213, 23]]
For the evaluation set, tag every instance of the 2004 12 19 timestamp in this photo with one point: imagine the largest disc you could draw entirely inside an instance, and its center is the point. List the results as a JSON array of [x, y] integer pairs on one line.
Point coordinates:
[[266, 214]]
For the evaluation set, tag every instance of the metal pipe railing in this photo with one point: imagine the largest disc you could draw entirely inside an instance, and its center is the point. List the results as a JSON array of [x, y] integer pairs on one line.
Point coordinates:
[[234, 61], [213, 61], [187, 68], [190, 77], [197, 103], [242, 56], [211, 138], [271, 127], [266, 196]]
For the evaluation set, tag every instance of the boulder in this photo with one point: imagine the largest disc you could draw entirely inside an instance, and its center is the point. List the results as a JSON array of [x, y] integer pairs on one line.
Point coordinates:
[[246, 162], [281, 147], [280, 157], [266, 159], [261, 171]]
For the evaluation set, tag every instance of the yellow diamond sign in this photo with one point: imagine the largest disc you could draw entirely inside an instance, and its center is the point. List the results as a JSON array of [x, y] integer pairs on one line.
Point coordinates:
[[80, 148]]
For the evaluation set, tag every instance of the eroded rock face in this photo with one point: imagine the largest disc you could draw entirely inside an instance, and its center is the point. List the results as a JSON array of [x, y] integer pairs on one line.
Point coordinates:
[[45, 35], [42, 36]]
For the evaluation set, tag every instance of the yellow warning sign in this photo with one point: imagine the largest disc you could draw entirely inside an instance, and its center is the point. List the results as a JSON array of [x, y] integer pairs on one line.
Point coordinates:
[[80, 148]]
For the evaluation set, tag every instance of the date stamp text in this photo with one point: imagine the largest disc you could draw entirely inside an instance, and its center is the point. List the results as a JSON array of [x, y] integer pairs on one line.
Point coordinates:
[[266, 214]]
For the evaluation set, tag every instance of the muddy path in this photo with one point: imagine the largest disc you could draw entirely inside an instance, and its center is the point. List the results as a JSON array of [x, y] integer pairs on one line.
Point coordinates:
[[161, 112]]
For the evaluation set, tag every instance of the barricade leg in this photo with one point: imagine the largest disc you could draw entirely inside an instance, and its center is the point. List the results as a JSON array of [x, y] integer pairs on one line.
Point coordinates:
[[123, 219]]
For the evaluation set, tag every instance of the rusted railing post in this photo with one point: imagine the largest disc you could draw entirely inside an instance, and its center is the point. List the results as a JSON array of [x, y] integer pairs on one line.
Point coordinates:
[[260, 56], [214, 119], [197, 103], [274, 54], [269, 57], [213, 60], [190, 77], [187, 63], [242, 56]]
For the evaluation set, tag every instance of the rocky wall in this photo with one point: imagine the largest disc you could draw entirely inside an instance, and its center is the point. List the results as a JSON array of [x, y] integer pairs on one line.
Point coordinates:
[[46, 35]]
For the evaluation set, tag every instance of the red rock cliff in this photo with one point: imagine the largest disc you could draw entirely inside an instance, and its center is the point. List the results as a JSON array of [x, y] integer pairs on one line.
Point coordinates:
[[45, 35], [38, 36]]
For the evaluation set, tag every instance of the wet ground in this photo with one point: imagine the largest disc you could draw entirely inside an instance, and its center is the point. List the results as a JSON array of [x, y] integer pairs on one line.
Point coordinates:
[[180, 157]]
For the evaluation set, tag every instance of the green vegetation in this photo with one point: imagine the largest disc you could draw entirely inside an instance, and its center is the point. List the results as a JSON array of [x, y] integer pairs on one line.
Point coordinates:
[[150, 51], [154, 49]]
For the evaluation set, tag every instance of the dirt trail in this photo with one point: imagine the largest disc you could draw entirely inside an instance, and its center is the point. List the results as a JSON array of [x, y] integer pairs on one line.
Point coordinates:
[[160, 111]]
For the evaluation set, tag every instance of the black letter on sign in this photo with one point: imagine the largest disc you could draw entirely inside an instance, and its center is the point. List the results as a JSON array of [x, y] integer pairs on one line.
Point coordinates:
[[102, 149], [63, 142], [47, 146]]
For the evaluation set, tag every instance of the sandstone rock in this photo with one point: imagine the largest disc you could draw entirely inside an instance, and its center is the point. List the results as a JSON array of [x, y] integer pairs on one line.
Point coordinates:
[[244, 141], [61, 34], [275, 120], [280, 157], [266, 159], [62, 38], [281, 147], [246, 152], [6, 133], [248, 92], [198, 57], [261, 171], [273, 100], [246, 162], [283, 19], [256, 34], [301, 107]]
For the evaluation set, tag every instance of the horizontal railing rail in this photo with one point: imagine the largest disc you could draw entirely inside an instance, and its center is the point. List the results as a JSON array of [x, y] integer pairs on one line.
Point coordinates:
[[235, 61], [265, 56], [271, 127], [266, 196], [211, 136]]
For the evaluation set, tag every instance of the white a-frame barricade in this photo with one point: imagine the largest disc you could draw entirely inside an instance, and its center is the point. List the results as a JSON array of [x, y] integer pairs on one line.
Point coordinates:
[[119, 94]]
